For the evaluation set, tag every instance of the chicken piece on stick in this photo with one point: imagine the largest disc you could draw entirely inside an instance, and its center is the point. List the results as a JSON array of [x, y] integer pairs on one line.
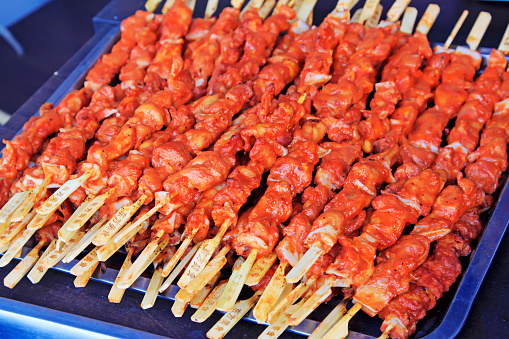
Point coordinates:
[[200, 56], [148, 118], [332, 107]]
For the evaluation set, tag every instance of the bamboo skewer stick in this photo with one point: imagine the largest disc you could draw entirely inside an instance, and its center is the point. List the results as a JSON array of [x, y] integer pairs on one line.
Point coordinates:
[[280, 324], [106, 251], [142, 259], [138, 222], [57, 198], [267, 7], [211, 8], [84, 264], [64, 234], [235, 285], [59, 253], [428, 19], [200, 297], [223, 326], [210, 271], [135, 270], [251, 4], [23, 267], [29, 201], [84, 242], [186, 296], [397, 9], [37, 272], [21, 239], [120, 218], [33, 196], [408, 21], [201, 259], [504, 43], [92, 207], [237, 3], [4, 226], [305, 10], [295, 294], [4, 248], [167, 5], [345, 5], [209, 305], [180, 252], [10, 207], [189, 3], [152, 290], [178, 308], [375, 18], [368, 10], [477, 32], [179, 268], [260, 267], [116, 294], [356, 16], [15, 228], [340, 329], [270, 294], [313, 302], [333, 317], [385, 335], [304, 264], [456, 29], [82, 280], [151, 5]]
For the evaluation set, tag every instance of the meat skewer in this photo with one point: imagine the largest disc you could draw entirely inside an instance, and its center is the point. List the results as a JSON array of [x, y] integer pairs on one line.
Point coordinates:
[[174, 260], [314, 253], [201, 55], [376, 304], [131, 134], [285, 250], [257, 246], [130, 180], [216, 176], [221, 211], [402, 169], [215, 34], [422, 293], [69, 144], [408, 122], [401, 314], [41, 218], [133, 226], [313, 197]]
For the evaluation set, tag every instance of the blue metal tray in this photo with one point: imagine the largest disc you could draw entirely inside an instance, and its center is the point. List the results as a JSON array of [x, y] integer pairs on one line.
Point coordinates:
[[445, 321]]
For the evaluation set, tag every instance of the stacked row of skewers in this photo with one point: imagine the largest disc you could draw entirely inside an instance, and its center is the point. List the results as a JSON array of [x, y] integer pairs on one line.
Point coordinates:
[[295, 155]]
